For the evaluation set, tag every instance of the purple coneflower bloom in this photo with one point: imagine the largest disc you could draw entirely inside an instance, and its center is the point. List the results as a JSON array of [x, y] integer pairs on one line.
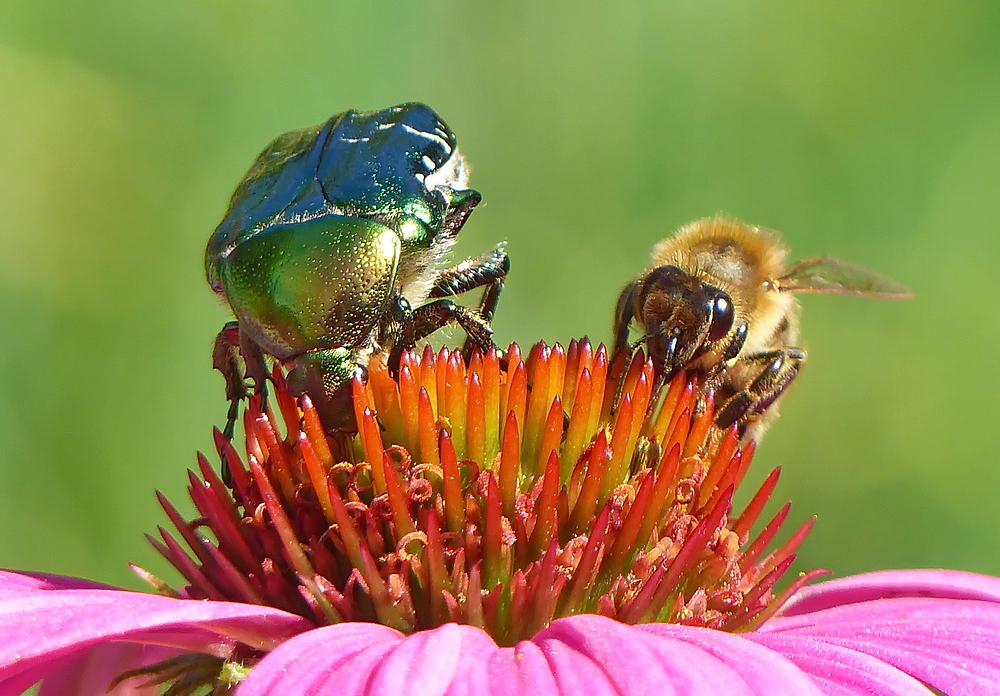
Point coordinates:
[[935, 627], [473, 539]]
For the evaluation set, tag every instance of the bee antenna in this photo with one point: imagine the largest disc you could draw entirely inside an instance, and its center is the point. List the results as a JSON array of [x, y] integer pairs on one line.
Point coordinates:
[[633, 349], [671, 350], [646, 337]]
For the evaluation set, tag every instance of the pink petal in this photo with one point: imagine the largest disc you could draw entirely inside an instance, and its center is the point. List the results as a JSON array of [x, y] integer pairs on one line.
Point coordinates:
[[309, 662], [94, 670], [839, 671], [952, 645], [368, 658], [44, 629], [760, 670], [666, 659], [20, 582], [451, 659], [943, 584], [522, 669], [582, 654]]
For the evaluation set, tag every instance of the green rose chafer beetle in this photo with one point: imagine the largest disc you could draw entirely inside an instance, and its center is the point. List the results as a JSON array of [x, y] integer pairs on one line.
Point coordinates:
[[332, 247]]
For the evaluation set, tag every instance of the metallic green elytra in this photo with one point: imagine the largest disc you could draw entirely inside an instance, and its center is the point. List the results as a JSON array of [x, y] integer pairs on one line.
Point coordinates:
[[331, 249]]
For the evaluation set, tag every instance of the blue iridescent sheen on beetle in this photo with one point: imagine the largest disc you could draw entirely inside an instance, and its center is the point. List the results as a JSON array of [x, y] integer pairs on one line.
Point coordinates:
[[331, 249]]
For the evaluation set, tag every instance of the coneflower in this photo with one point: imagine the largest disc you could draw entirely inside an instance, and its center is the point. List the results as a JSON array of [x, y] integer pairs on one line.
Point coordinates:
[[538, 524], [469, 497]]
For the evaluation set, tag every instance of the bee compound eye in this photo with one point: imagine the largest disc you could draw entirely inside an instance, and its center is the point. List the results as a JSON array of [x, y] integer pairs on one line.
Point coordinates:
[[722, 317]]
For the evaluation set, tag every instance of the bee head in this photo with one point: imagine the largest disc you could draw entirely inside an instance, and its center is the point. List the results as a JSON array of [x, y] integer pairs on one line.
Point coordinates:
[[683, 316]]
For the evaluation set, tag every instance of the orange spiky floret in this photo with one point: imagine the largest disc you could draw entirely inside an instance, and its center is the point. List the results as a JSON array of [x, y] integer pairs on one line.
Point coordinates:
[[501, 493]]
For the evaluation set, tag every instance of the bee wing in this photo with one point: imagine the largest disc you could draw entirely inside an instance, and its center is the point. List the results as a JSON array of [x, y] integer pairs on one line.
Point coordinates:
[[827, 274]]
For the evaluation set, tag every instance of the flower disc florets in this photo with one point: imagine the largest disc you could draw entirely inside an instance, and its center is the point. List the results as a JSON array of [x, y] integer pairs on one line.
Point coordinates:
[[502, 493]]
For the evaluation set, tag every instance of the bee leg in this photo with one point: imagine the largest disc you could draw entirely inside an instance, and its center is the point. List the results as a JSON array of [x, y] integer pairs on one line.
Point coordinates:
[[780, 368], [623, 318], [488, 270], [737, 342], [621, 354], [732, 350], [794, 357]]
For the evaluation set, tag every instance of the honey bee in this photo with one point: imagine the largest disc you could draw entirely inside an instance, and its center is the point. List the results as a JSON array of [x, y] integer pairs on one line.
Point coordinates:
[[718, 298]]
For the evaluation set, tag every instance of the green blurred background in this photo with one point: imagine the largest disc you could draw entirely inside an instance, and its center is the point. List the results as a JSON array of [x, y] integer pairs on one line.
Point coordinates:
[[861, 128]]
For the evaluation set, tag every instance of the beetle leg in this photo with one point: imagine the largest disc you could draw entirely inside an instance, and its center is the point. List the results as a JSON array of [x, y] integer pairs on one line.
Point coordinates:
[[226, 359], [402, 323], [428, 318], [256, 364], [237, 358], [780, 368], [488, 270], [471, 274]]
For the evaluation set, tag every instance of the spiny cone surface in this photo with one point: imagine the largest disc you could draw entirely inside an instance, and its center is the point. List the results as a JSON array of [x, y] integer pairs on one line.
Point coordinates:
[[501, 496]]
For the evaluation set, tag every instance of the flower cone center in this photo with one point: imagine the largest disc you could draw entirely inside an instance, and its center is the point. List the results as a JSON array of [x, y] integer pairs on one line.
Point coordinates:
[[502, 493]]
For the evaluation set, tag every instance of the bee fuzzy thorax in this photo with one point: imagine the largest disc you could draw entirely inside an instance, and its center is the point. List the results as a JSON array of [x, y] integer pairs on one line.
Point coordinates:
[[724, 249]]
